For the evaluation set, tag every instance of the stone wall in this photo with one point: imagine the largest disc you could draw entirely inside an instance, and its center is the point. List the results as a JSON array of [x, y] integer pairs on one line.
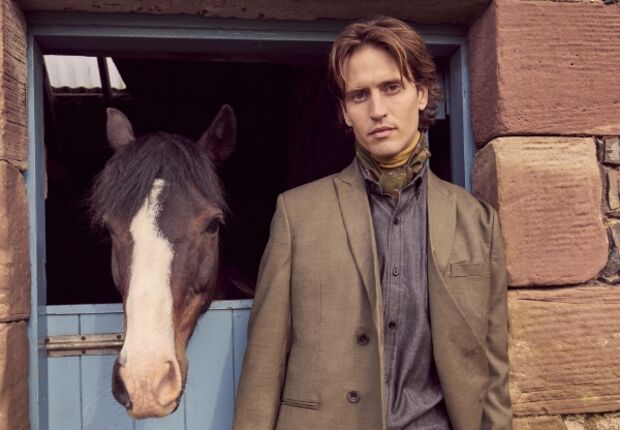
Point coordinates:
[[420, 11], [14, 255], [546, 115]]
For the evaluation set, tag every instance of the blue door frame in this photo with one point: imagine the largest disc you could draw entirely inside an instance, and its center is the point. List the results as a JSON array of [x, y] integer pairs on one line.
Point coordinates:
[[72, 33]]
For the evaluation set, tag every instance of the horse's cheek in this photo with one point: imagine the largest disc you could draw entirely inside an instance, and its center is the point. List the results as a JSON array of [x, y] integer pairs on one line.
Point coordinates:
[[207, 258]]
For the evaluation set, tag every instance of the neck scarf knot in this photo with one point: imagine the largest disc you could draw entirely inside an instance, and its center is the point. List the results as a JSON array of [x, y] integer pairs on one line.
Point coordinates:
[[394, 173]]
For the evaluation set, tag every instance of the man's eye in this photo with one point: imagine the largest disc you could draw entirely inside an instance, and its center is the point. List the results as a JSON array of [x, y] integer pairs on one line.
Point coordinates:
[[392, 88], [358, 96]]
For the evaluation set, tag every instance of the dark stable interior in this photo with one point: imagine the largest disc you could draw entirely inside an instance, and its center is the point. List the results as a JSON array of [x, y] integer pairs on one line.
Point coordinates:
[[288, 134]]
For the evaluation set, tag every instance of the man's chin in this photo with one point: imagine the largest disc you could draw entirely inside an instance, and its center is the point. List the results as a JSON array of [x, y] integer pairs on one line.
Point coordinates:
[[384, 150]]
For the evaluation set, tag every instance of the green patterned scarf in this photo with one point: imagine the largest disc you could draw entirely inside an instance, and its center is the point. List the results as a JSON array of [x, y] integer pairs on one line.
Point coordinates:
[[394, 180]]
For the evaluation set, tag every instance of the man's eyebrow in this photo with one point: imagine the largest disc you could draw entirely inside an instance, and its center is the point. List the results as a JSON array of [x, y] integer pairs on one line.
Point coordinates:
[[390, 82], [381, 84]]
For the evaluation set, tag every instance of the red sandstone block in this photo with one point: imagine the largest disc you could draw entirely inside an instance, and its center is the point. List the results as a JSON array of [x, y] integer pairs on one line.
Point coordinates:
[[420, 11], [564, 350], [13, 120], [547, 191], [14, 253], [14, 376], [538, 423], [539, 68]]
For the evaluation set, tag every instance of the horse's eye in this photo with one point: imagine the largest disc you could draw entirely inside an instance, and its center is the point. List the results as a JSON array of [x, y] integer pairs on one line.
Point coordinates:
[[213, 226]]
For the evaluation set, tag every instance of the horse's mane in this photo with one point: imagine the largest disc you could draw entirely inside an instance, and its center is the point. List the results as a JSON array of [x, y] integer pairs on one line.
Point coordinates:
[[128, 176]]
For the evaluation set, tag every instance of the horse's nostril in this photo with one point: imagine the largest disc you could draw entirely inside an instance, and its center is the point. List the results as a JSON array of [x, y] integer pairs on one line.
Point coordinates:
[[171, 371], [118, 388], [167, 383], [177, 403]]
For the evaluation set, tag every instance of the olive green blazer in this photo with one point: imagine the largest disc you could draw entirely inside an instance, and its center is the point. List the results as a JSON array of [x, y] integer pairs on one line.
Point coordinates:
[[318, 292]]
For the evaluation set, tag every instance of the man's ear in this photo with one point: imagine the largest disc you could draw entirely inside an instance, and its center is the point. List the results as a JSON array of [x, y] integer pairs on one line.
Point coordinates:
[[345, 115], [118, 129], [422, 97]]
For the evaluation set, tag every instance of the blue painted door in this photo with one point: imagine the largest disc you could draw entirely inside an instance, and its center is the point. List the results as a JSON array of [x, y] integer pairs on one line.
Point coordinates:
[[79, 393]]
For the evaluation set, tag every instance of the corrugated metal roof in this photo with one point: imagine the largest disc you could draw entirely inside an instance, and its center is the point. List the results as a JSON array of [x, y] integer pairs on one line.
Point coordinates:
[[74, 71]]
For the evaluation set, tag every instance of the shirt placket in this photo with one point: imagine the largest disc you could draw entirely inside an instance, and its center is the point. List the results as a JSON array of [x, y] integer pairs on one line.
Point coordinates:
[[394, 277]]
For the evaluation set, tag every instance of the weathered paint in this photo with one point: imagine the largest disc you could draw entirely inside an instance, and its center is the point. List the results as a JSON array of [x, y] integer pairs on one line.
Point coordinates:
[[35, 182]]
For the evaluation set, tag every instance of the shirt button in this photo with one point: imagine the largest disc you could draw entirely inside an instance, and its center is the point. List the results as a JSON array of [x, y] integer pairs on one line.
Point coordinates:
[[396, 221], [392, 325], [362, 339], [353, 396], [395, 271]]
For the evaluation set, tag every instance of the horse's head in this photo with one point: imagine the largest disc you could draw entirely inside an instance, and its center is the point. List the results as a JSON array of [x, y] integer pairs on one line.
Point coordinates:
[[161, 200]]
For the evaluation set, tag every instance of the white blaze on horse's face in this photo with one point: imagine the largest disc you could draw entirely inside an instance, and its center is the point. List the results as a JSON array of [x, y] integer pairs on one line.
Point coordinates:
[[148, 364]]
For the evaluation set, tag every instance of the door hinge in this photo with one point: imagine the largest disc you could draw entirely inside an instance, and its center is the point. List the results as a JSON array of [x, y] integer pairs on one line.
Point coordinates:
[[84, 344]]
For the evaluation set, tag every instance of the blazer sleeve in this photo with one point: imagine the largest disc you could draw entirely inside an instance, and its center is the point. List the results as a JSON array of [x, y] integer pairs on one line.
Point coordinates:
[[269, 332], [497, 412]]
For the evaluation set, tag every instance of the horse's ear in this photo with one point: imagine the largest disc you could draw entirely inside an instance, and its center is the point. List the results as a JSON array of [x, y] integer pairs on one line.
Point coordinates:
[[118, 129], [219, 140]]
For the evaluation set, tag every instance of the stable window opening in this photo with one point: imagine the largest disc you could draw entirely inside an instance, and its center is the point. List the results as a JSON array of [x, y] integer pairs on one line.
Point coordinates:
[[288, 134]]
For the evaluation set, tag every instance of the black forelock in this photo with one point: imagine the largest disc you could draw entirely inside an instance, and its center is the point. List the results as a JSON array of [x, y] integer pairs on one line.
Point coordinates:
[[128, 176]]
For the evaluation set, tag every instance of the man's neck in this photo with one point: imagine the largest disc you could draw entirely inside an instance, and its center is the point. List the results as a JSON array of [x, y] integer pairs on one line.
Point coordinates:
[[402, 157]]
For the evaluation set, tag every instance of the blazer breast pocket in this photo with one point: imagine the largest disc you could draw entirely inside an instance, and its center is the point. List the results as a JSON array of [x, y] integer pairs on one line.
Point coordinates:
[[459, 270], [469, 284]]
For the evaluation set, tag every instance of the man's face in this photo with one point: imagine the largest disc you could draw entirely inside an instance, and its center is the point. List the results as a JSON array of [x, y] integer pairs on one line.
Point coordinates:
[[382, 107]]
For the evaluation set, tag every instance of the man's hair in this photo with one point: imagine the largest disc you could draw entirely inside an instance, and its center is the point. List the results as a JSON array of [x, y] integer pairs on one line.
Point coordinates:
[[402, 43]]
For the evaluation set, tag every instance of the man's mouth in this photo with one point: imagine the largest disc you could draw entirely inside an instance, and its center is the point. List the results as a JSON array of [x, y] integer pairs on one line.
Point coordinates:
[[381, 131]]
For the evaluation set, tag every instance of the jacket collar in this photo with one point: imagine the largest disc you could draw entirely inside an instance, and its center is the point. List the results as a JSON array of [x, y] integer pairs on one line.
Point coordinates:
[[357, 219]]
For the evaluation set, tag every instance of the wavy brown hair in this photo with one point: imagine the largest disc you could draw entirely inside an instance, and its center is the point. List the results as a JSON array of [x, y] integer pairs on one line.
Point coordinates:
[[402, 43]]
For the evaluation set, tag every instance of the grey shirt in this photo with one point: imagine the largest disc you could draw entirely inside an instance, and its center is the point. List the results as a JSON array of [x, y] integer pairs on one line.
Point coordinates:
[[415, 399]]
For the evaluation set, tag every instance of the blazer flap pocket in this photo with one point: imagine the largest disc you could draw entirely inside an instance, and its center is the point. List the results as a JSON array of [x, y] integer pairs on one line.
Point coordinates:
[[306, 404], [469, 269]]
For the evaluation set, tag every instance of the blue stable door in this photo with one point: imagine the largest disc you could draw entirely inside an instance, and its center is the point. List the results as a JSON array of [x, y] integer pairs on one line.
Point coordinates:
[[79, 395]]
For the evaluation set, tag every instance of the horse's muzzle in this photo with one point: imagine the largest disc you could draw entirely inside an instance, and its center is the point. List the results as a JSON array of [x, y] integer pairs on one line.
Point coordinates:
[[152, 399]]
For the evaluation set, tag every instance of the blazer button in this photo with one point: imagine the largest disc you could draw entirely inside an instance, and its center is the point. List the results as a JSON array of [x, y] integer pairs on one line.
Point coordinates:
[[362, 339], [353, 396]]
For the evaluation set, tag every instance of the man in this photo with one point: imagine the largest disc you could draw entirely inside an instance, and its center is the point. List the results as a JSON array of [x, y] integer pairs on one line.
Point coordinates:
[[381, 298]]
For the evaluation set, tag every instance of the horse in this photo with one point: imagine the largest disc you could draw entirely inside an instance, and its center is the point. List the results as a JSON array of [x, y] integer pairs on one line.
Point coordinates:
[[161, 200]]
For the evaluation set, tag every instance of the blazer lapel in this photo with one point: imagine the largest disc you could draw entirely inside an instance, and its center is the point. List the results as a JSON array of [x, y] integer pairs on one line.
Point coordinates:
[[446, 313], [441, 221], [357, 219], [456, 347]]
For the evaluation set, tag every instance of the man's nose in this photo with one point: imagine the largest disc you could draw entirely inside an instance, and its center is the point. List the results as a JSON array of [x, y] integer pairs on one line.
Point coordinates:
[[377, 107]]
